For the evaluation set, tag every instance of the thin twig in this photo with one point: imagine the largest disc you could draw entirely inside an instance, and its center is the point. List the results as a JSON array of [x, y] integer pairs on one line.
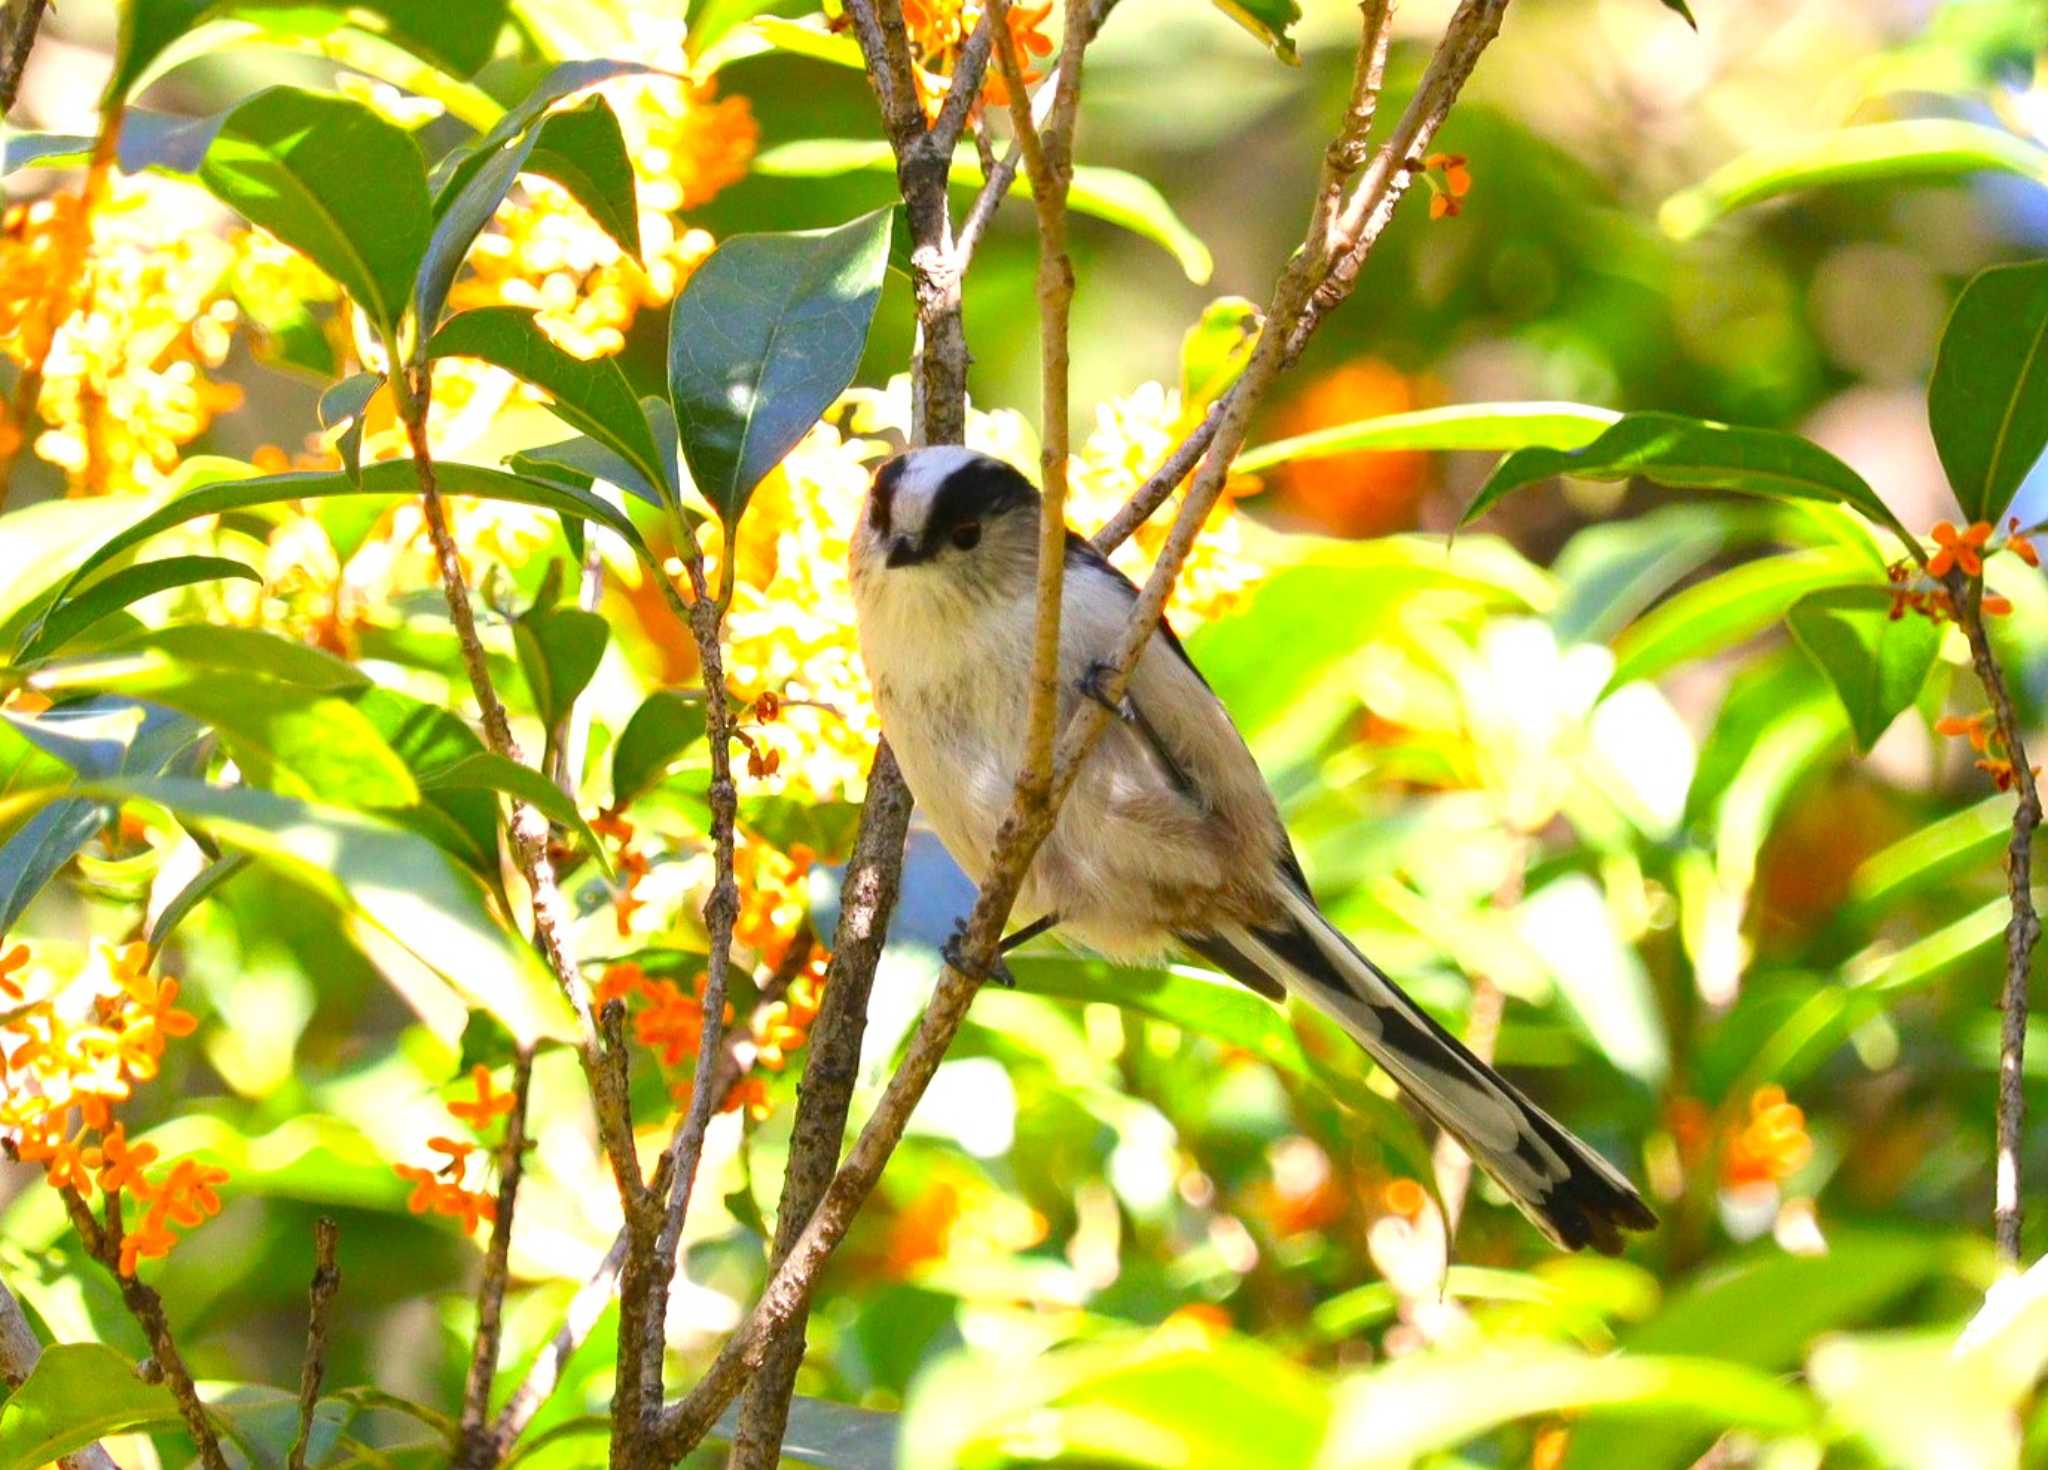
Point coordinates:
[[103, 1244], [18, 26], [787, 1294], [475, 1449], [2022, 930], [320, 1298], [19, 1354]]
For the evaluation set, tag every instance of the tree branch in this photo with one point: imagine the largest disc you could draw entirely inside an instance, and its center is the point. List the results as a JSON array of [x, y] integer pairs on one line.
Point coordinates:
[[475, 1446], [320, 1298], [2022, 930], [19, 1354], [18, 26], [787, 1294]]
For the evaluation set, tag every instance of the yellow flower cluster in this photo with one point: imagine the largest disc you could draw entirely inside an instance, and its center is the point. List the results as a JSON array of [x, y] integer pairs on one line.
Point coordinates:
[[71, 1046], [123, 313], [791, 626]]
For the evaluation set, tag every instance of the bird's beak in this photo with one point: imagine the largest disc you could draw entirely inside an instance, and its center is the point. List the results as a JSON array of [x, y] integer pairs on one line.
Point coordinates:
[[902, 553]]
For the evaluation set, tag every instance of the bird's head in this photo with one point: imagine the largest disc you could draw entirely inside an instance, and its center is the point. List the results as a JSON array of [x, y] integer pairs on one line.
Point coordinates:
[[945, 512]]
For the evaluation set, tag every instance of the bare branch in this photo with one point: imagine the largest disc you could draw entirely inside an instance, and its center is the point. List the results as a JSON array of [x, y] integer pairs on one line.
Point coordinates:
[[320, 1298], [18, 25], [2022, 930], [475, 1447], [965, 88], [19, 1354]]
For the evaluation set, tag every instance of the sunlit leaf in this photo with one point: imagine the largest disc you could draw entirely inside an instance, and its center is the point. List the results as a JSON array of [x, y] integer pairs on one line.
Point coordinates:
[[1269, 20], [1916, 148], [129, 585], [487, 771], [341, 406], [1876, 661], [1988, 399], [1694, 454], [209, 881], [1495, 426], [590, 395], [1728, 608], [763, 339], [582, 149], [667, 723], [1215, 350], [333, 180], [559, 650], [79, 1392]]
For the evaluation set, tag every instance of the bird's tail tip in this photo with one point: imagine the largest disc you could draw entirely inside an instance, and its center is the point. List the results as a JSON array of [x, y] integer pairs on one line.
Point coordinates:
[[1589, 1207]]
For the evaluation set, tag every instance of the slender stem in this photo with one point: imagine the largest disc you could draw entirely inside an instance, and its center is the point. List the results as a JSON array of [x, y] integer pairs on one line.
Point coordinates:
[[2022, 930], [18, 25], [320, 1300], [475, 1449], [19, 1354], [103, 1244]]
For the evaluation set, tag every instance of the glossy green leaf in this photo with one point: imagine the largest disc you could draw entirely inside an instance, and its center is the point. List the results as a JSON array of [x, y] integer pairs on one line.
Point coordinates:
[[396, 476], [590, 395], [1988, 399], [1109, 194], [1215, 350], [763, 339], [79, 1392], [565, 79], [1728, 608], [580, 148], [1269, 20], [559, 650], [457, 38], [1495, 426], [487, 771], [341, 406], [1913, 149], [129, 585], [1876, 662], [461, 820], [1694, 454], [668, 722], [333, 180]]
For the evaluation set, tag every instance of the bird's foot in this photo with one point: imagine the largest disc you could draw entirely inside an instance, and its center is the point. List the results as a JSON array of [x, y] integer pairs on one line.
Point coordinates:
[[955, 954], [1094, 686]]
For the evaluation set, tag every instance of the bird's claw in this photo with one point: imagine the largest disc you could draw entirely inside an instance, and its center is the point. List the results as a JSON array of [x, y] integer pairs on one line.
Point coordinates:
[[1091, 687], [955, 954]]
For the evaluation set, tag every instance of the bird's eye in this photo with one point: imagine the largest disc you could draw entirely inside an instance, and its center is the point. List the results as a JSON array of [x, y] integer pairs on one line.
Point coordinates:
[[966, 537]]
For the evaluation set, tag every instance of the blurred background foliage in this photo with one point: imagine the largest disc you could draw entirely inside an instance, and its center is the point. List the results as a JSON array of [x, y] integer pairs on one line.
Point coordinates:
[[1566, 778]]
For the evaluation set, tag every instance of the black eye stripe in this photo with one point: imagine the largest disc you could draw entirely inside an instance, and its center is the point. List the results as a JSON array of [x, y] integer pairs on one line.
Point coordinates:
[[884, 493]]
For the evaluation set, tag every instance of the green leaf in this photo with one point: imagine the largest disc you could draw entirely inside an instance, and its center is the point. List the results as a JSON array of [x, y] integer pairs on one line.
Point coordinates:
[[428, 738], [592, 396], [1682, 9], [1728, 608], [1215, 350], [343, 404], [457, 38], [668, 722], [1269, 20], [763, 339], [559, 651], [1876, 662], [708, 21], [487, 771], [1495, 426], [129, 585], [406, 889], [1241, 1019], [1106, 193], [1919, 148], [202, 887], [1694, 454], [389, 477], [1988, 400], [580, 149], [79, 1392], [333, 180]]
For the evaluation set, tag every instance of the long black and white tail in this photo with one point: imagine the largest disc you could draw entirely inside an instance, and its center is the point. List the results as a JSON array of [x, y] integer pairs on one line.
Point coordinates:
[[1570, 1193]]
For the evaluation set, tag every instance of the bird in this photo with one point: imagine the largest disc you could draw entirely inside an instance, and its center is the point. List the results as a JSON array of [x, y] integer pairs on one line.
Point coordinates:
[[1169, 839]]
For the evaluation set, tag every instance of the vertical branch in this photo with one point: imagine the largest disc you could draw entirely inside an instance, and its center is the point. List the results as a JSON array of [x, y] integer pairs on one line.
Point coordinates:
[[320, 1298], [2022, 930], [103, 1244], [474, 1446], [19, 1354], [18, 26]]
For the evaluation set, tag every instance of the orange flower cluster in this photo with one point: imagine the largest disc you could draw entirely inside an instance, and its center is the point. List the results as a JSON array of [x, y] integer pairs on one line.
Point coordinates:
[[443, 1189], [631, 865], [1456, 184], [774, 902], [1981, 730], [938, 32], [1963, 550], [1767, 1145], [72, 1048]]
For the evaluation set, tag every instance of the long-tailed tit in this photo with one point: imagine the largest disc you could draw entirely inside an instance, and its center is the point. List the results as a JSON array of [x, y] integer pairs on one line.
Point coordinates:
[[1169, 836]]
